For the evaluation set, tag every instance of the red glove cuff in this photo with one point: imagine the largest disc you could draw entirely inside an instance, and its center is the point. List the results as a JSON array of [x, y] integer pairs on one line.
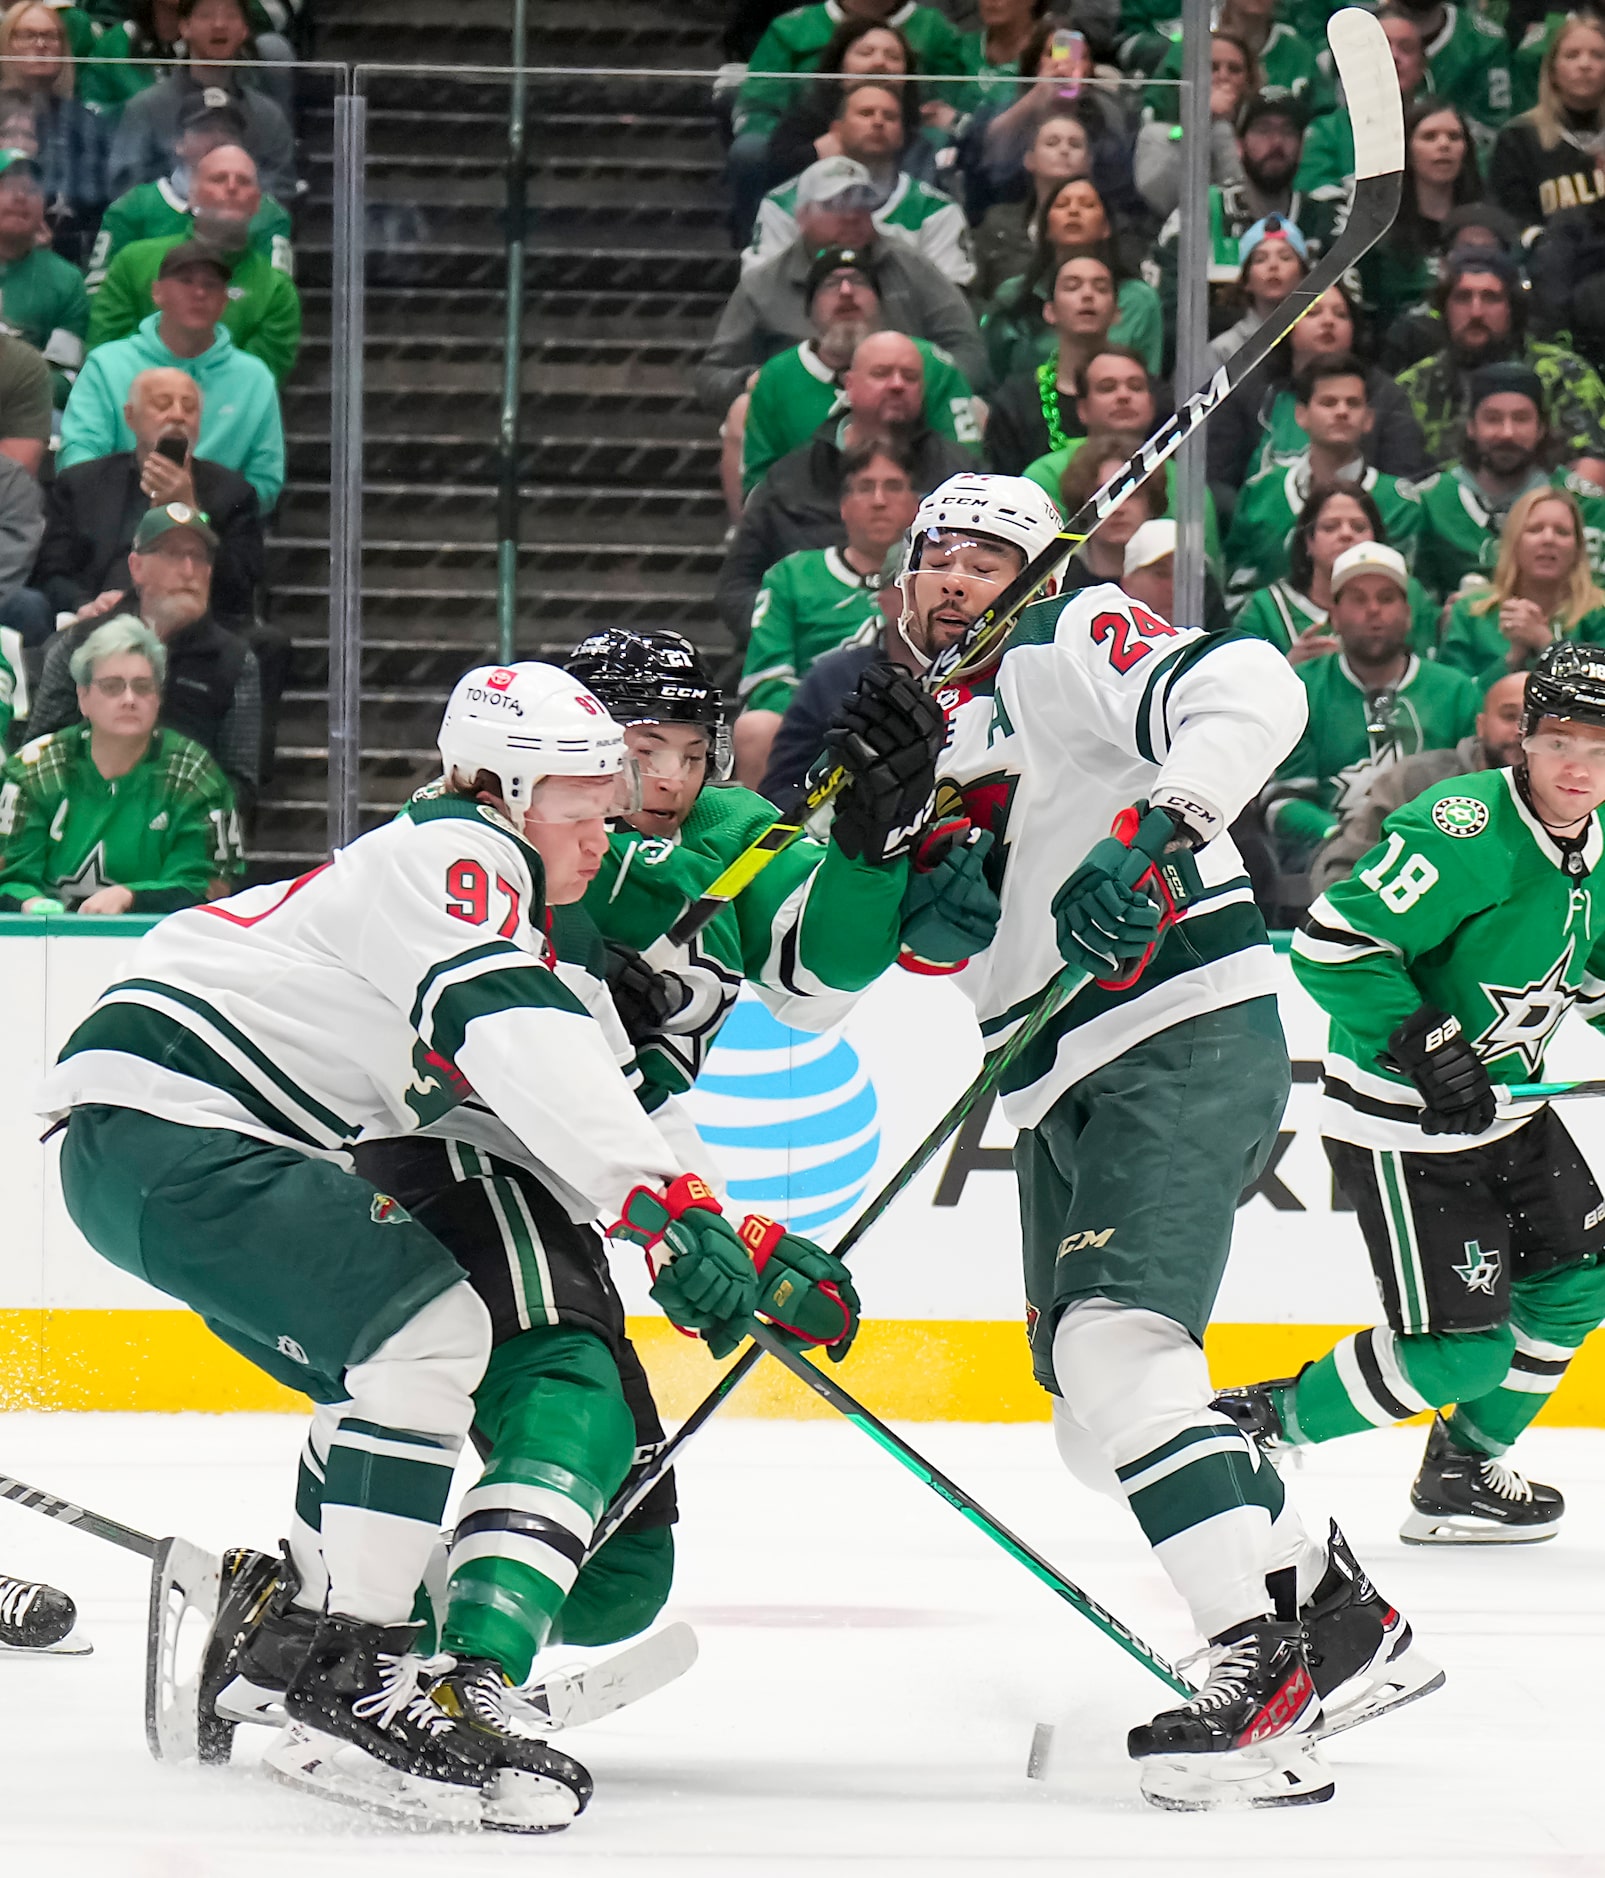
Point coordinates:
[[760, 1236], [929, 968]]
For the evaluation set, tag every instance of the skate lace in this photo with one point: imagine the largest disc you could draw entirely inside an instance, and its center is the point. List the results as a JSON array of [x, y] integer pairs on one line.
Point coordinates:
[[1505, 1481], [401, 1694], [16, 1595], [1231, 1670]]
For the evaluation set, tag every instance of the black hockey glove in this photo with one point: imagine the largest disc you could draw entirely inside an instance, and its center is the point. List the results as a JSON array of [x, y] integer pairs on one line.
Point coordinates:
[[1431, 1049], [644, 999], [887, 735]]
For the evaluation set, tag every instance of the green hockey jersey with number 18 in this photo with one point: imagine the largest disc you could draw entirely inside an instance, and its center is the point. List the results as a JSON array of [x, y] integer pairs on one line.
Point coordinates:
[[809, 933], [1097, 703], [1466, 904]]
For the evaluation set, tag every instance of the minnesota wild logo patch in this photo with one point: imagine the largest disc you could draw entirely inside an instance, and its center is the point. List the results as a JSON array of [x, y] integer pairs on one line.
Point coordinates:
[[384, 1211], [1460, 816]]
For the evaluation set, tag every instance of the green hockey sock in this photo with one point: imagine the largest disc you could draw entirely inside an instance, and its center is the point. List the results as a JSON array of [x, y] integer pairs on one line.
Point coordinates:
[[1551, 1312], [1377, 1377]]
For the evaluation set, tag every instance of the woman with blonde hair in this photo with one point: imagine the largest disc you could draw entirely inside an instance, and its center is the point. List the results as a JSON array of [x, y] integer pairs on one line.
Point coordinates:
[[1542, 589], [1552, 157], [36, 68]]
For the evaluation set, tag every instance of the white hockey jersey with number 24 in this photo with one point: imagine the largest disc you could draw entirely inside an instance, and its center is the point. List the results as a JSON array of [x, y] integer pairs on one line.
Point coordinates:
[[371, 996], [1098, 703]]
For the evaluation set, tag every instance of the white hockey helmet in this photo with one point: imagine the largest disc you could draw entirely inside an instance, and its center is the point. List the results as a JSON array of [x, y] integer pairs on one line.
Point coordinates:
[[526, 722], [1009, 509]]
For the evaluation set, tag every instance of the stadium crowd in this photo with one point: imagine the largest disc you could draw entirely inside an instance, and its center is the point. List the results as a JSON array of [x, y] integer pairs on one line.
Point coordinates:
[[961, 246], [148, 316]]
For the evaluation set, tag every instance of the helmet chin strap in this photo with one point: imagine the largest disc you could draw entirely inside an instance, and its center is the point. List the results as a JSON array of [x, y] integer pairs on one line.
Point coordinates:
[[905, 586]]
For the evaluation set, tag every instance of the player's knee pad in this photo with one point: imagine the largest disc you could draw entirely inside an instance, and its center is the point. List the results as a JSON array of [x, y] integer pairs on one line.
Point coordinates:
[[1082, 1455], [620, 1591], [424, 1376], [1456, 1365], [555, 1396], [1128, 1377], [1560, 1305]]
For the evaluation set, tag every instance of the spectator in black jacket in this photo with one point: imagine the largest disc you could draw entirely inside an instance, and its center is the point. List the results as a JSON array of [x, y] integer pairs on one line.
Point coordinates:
[[1550, 158], [800, 740], [213, 691], [798, 504], [94, 509]]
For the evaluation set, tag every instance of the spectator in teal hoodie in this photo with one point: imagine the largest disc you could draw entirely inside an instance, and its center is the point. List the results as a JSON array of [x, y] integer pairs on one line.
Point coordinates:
[[240, 427]]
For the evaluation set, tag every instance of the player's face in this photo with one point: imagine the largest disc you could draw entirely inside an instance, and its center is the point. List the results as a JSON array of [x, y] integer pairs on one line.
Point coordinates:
[[673, 761], [1565, 770], [1548, 546], [122, 696], [566, 825], [958, 578]]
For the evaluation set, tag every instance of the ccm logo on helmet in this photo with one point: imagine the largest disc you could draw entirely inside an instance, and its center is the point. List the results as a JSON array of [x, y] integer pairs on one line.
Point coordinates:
[[500, 679]]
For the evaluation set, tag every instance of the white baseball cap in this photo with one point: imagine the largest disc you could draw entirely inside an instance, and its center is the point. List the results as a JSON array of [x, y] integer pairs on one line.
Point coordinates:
[[1369, 557], [1152, 542], [841, 181]]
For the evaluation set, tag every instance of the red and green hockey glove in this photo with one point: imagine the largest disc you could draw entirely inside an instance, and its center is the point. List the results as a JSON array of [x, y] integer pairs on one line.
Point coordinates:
[[802, 1289], [702, 1274]]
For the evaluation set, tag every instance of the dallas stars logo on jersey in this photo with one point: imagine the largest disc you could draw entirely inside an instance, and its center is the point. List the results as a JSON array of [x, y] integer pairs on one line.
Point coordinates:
[[1527, 1016]]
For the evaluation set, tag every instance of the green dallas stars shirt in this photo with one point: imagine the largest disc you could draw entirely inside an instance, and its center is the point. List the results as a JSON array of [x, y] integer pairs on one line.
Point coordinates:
[[1279, 613], [166, 830], [810, 603], [1333, 762], [1469, 905], [1268, 507], [810, 932], [1459, 532], [153, 209], [42, 300], [1470, 66]]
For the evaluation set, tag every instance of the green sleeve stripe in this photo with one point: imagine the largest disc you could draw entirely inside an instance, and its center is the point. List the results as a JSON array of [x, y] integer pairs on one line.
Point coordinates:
[[456, 962], [1145, 746], [136, 1030], [208, 1014], [530, 987]]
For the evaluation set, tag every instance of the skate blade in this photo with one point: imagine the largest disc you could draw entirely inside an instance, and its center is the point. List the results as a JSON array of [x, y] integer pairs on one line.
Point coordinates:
[[1463, 1529], [520, 1801], [1257, 1778], [75, 1643], [1397, 1686], [184, 1585], [332, 1769], [569, 1698]]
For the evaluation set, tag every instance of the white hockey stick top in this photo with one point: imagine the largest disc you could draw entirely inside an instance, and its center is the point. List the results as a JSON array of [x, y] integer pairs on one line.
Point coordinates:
[[1370, 90]]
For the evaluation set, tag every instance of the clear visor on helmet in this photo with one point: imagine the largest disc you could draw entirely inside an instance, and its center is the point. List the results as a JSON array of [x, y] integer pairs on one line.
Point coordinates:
[[1561, 748], [586, 798], [665, 752], [959, 551]]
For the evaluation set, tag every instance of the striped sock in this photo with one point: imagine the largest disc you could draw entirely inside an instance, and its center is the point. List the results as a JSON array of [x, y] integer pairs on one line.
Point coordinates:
[[384, 1491], [1360, 1383], [1492, 1422], [517, 1550]]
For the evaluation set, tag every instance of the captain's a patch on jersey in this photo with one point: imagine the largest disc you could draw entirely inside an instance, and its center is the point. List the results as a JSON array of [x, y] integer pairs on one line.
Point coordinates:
[[1460, 816]]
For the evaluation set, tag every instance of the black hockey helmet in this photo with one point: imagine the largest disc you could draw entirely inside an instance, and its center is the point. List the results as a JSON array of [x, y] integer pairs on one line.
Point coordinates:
[[650, 677], [1568, 681]]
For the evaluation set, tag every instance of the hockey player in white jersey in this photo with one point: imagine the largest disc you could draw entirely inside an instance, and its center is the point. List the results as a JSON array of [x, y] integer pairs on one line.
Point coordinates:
[[209, 1102], [1144, 1108]]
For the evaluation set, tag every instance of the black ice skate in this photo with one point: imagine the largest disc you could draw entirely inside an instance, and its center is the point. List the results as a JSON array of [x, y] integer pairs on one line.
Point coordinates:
[[258, 1640], [1255, 1410], [1361, 1652], [1461, 1497], [37, 1618], [551, 1788], [1247, 1737]]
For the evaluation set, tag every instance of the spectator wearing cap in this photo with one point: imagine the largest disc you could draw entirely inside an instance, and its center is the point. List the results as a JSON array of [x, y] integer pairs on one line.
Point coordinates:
[[213, 689], [1270, 140], [869, 174], [817, 599], [770, 308], [1371, 704], [795, 391], [165, 207], [263, 312], [42, 297], [69, 139], [113, 814], [1505, 453], [1274, 257], [1440, 176], [1286, 60], [798, 504], [240, 423], [1148, 567], [1468, 61], [145, 143], [1541, 589], [1484, 323], [1334, 412], [94, 509]]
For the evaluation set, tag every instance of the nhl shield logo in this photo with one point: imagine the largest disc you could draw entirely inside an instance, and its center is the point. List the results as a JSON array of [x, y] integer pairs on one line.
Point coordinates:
[[384, 1211], [1460, 816]]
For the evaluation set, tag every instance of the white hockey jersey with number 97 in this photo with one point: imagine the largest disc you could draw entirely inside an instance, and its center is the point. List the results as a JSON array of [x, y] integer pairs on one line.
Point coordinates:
[[1097, 704]]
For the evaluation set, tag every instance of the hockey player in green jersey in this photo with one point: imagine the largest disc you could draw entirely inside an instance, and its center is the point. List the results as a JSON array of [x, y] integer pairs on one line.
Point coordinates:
[[1370, 703], [115, 815], [1445, 962], [1144, 1107]]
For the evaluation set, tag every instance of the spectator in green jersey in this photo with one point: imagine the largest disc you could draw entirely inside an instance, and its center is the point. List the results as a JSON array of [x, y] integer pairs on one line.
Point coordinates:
[[818, 599], [857, 49], [113, 814], [1328, 159], [263, 313], [1371, 704], [1542, 589], [42, 297], [1287, 60], [1468, 60]]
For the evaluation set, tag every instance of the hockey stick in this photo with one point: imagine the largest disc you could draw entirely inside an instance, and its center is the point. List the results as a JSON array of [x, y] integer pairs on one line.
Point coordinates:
[[822, 1385], [97, 1525], [1371, 88], [1050, 1002], [1551, 1091]]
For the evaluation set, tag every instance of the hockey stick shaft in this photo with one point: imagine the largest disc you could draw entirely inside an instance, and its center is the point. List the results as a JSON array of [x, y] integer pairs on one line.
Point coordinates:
[[1552, 1091], [1371, 89], [832, 1392], [97, 1525]]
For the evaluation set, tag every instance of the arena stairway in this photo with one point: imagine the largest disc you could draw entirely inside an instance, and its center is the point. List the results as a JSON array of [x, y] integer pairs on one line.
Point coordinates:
[[627, 266]]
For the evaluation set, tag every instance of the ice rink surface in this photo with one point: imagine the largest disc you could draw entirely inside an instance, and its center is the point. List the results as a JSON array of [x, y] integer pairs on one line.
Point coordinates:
[[871, 1670]]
